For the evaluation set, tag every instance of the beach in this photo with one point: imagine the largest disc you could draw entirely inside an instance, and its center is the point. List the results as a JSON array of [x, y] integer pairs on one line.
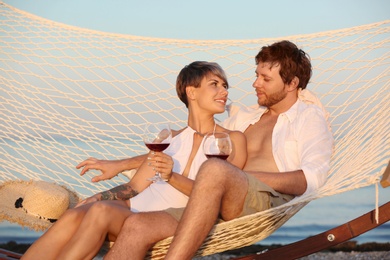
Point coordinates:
[[376, 255], [347, 250], [325, 256], [317, 217]]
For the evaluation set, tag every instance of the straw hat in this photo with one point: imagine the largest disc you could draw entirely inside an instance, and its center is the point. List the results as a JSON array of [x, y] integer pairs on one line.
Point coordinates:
[[34, 204]]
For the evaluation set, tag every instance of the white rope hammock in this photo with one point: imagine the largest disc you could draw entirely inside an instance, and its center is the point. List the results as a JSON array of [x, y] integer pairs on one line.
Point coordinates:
[[69, 93]]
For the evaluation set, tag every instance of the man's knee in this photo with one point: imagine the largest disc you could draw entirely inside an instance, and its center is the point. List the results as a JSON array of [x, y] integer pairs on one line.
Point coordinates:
[[216, 170], [213, 168]]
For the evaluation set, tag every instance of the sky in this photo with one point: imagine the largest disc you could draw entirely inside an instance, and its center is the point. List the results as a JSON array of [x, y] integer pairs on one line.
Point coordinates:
[[209, 20]]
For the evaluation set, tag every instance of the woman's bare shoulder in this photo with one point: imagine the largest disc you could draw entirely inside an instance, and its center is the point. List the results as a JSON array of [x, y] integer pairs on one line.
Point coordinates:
[[237, 136], [177, 132], [232, 133]]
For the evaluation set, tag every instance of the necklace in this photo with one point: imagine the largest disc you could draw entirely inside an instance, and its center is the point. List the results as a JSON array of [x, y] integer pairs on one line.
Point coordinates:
[[203, 135]]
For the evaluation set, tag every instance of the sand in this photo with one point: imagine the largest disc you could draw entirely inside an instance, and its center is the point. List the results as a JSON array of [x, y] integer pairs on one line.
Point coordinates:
[[344, 251], [376, 255]]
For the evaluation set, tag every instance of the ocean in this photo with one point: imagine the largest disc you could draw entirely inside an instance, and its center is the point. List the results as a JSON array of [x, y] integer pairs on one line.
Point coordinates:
[[316, 217]]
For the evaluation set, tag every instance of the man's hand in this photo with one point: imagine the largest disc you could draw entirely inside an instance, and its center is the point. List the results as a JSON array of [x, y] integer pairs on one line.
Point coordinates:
[[108, 168]]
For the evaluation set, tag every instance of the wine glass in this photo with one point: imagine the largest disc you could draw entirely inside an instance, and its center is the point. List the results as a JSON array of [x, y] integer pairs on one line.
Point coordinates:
[[217, 145], [157, 137]]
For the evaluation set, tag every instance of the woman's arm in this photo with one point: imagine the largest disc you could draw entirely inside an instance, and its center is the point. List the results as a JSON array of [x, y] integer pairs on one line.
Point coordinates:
[[239, 152], [163, 163], [138, 182], [110, 168], [181, 183], [121, 192]]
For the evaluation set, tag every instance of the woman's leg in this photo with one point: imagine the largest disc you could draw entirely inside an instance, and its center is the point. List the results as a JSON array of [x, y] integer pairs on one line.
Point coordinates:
[[57, 236], [104, 218]]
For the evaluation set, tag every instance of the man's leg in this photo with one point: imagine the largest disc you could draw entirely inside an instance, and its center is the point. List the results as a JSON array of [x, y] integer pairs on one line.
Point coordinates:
[[139, 232], [219, 188]]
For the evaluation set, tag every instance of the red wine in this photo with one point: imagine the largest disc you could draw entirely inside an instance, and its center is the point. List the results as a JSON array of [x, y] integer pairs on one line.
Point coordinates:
[[157, 147], [219, 156]]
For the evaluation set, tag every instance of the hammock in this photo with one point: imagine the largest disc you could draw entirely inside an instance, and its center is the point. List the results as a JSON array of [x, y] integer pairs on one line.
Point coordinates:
[[69, 93]]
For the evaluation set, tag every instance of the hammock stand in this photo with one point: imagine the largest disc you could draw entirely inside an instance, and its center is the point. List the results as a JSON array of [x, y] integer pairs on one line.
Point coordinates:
[[69, 93], [331, 237], [326, 239]]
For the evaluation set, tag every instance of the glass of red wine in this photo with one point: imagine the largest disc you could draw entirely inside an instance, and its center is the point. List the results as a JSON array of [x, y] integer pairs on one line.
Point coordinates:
[[217, 145], [157, 137]]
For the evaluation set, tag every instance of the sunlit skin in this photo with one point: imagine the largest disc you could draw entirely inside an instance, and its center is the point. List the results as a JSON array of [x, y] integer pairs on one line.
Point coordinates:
[[80, 232], [269, 86], [278, 97], [203, 101], [211, 97], [229, 185]]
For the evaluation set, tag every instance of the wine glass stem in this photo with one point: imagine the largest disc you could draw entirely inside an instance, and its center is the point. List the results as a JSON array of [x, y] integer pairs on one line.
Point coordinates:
[[156, 177]]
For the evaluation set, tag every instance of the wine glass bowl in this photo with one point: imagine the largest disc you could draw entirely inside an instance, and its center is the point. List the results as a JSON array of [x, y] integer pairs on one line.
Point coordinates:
[[157, 147], [157, 137], [217, 145]]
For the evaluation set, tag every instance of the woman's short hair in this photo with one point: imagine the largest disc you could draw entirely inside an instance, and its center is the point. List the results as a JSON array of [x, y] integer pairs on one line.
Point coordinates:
[[193, 74]]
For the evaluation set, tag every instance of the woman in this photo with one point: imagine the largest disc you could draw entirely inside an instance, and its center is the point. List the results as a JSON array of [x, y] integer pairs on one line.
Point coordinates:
[[80, 232]]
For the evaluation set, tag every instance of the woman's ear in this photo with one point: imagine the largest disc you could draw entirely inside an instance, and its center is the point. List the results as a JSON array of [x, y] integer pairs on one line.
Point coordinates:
[[190, 91]]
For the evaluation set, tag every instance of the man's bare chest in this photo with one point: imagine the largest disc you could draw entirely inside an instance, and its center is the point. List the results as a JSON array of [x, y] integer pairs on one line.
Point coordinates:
[[259, 135]]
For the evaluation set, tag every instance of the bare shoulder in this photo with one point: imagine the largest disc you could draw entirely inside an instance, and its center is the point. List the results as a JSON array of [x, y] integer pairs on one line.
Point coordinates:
[[177, 132], [235, 136], [239, 153]]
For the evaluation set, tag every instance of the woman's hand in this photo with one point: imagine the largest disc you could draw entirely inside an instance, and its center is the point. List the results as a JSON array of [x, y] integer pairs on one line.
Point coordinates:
[[109, 169], [162, 163], [91, 199]]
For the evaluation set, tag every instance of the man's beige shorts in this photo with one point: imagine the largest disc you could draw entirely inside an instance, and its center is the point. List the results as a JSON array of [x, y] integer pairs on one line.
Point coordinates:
[[260, 197]]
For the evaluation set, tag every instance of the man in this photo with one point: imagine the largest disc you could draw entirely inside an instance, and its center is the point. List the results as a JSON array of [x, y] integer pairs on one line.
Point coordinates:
[[289, 150]]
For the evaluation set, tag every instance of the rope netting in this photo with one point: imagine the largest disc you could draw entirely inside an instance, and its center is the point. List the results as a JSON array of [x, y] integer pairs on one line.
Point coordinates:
[[69, 93]]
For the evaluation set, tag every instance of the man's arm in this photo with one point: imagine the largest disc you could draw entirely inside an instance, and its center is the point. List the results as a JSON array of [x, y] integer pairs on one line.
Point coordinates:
[[110, 168], [293, 182], [314, 146]]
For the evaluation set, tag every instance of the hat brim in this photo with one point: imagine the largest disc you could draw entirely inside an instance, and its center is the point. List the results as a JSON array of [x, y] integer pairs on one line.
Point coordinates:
[[10, 191]]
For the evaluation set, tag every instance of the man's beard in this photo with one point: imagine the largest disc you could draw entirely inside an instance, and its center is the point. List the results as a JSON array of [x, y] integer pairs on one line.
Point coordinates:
[[273, 98]]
